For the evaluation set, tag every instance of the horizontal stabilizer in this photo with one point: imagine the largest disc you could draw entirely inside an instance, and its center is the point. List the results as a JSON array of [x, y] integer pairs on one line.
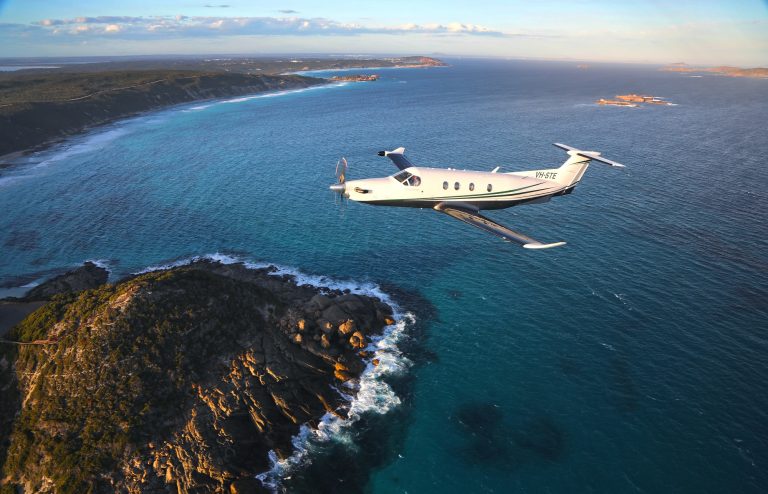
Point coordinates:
[[593, 155]]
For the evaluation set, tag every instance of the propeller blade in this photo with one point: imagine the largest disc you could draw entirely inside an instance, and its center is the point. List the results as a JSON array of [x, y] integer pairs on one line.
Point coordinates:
[[341, 170]]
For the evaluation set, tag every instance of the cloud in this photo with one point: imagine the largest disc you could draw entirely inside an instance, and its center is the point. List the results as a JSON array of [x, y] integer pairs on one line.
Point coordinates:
[[222, 6], [288, 11], [210, 26]]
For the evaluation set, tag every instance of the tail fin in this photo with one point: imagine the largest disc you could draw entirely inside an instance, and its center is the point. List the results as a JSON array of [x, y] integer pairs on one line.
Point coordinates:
[[569, 174]]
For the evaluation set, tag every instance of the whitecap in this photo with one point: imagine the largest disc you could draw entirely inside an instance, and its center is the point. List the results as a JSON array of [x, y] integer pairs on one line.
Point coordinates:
[[274, 94]]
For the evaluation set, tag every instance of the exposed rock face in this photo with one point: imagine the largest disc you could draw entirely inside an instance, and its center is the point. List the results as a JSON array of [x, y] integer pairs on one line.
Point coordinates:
[[86, 277], [180, 380]]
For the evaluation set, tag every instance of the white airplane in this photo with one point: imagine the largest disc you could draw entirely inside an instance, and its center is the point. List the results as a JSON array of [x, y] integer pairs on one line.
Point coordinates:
[[462, 194]]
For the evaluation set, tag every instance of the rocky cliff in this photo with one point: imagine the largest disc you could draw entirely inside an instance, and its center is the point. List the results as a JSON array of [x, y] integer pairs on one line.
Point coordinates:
[[178, 381]]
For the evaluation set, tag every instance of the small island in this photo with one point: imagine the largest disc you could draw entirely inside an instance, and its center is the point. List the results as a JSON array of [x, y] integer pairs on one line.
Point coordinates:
[[633, 100]]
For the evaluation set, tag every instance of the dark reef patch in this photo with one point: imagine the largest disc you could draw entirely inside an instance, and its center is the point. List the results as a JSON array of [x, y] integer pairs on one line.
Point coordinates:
[[22, 240], [487, 439], [542, 437], [623, 392], [570, 365], [492, 441]]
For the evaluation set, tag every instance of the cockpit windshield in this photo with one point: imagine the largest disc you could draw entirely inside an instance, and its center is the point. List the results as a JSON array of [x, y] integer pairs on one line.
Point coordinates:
[[407, 178], [402, 176]]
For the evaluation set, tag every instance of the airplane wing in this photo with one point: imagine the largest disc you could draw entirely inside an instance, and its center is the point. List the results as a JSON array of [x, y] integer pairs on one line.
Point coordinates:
[[398, 158], [479, 221]]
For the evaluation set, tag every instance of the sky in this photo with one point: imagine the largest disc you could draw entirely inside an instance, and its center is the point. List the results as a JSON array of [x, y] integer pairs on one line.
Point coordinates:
[[703, 32]]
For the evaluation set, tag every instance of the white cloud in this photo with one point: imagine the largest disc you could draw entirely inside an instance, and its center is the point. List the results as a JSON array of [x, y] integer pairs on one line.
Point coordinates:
[[201, 26]]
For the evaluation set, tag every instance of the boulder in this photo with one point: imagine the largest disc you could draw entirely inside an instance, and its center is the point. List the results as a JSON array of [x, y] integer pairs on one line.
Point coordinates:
[[347, 327], [325, 342], [357, 340], [325, 326]]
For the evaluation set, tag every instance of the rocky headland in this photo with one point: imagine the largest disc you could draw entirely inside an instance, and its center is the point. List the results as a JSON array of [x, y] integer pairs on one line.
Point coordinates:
[[179, 380]]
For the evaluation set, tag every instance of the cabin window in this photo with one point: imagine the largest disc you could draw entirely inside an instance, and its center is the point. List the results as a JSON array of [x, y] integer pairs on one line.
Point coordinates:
[[445, 185], [490, 187], [457, 185], [471, 187], [414, 181]]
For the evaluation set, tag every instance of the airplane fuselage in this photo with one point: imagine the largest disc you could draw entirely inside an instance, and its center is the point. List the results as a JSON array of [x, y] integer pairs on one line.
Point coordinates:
[[422, 187]]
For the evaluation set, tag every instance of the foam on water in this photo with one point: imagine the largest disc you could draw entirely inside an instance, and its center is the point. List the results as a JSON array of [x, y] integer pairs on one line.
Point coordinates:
[[85, 145], [81, 145], [373, 394], [282, 93]]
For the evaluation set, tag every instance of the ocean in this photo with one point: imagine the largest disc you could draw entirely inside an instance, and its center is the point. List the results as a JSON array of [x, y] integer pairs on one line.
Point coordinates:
[[633, 359]]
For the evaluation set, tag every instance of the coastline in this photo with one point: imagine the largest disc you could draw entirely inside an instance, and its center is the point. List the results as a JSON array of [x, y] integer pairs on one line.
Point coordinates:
[[35, 122], [8, 159], [351, 69], [86, 122]]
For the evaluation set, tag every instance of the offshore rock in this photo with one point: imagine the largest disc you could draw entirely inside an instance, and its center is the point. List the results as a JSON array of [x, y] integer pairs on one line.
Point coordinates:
[[175, 381]]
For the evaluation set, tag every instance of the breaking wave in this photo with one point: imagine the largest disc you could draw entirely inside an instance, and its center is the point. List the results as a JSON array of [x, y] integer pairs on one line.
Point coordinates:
[[373, 395]]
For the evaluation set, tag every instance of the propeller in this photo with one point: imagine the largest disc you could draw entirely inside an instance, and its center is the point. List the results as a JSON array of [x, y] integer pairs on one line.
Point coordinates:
[[341, 176]]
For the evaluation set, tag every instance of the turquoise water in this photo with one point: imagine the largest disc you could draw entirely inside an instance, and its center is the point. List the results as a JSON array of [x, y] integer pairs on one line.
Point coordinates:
[[631, 360]]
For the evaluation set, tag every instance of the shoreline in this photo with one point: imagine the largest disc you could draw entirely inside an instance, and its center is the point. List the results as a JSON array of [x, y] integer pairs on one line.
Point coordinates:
[[8, 159], [88, 100], [350, 69]]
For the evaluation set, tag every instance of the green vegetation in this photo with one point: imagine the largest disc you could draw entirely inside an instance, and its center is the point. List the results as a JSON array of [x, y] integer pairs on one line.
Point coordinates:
[[123, 369], [62, 86], [37, 106]]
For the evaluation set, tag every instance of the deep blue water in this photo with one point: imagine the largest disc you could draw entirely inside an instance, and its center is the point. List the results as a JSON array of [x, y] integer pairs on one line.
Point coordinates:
[[634, 359]]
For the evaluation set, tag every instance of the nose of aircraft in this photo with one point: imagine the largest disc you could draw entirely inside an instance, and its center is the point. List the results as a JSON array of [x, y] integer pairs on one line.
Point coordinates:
[[338, 188]]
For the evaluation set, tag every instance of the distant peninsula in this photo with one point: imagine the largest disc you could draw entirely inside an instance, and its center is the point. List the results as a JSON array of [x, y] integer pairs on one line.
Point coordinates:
[[758, 72], [177, 380], [40, 106]]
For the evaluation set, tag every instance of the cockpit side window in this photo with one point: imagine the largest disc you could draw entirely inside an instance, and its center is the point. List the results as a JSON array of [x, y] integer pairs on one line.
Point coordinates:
[[402, 176], [407, 178]]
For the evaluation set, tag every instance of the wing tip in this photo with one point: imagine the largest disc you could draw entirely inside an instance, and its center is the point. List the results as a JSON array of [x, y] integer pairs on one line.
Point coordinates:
[[539, 245]]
